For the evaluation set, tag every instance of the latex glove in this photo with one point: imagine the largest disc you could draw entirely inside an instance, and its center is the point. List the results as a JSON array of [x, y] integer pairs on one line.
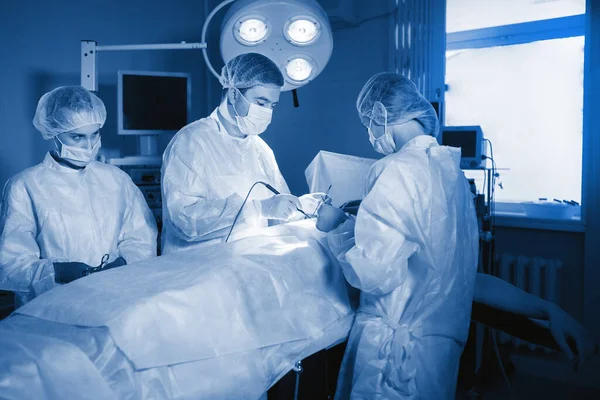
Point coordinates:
[[280, 206], [119, 262], [65, 272], [565, 327], [329, 218], [312, 201]]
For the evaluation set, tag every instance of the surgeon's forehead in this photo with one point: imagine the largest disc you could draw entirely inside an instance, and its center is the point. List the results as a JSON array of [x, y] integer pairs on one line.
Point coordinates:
[[268, 93], [86, 130]]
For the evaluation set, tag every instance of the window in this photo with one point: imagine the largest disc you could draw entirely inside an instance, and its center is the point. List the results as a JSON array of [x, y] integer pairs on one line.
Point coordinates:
[[465, 15], [523, 83]]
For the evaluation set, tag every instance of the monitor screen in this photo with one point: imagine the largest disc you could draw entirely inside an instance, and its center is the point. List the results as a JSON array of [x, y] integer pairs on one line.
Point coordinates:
[[151, 104], [466, 140]]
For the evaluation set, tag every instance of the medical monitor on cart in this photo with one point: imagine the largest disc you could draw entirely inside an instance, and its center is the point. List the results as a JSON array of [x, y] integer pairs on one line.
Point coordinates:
[[152, 103], [470, 140]]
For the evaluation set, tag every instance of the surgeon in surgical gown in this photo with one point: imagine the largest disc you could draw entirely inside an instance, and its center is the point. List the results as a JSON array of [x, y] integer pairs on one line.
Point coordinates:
[[211, 165], [412, 252], [65, 214]]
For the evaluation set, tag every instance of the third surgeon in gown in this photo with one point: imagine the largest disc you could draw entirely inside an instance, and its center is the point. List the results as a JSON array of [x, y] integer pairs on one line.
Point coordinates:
[[412, 252]]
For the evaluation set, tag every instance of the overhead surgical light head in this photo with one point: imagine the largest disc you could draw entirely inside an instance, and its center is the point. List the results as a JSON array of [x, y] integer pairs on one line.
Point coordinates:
[[251, 31], [295, 34]]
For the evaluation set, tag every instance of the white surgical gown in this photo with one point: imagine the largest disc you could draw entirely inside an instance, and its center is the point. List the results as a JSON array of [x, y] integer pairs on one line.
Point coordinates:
[[206, 175], [52, 213], [412, 251]]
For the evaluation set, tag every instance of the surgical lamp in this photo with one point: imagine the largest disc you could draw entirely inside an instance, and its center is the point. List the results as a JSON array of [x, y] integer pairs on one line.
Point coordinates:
[[295, 34]]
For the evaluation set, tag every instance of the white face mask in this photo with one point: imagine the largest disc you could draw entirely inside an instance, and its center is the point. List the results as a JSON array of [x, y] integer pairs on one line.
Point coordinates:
[[384, 144], [76, 155], [257, 120]]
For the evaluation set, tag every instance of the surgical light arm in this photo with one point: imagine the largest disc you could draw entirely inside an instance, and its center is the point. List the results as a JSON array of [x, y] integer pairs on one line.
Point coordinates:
[[90, 48]]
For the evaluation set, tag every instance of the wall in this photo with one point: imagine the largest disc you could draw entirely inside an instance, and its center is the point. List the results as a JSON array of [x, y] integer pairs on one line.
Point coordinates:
[[41, 46]]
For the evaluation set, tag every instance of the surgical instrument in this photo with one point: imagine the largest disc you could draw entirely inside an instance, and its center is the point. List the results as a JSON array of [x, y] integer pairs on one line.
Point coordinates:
[[272, 189], [100, 267], [322, 200]]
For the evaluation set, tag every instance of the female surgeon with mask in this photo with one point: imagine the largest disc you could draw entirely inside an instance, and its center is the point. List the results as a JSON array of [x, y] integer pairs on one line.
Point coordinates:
[[211, 164], [70, 213], [412, 251]]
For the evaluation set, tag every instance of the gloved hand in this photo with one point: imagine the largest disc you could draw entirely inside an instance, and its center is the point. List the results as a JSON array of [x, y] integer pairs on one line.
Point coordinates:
[[565, 327], [119, 262], [280, 206], [311, 201], [65, 272], [330, 218]]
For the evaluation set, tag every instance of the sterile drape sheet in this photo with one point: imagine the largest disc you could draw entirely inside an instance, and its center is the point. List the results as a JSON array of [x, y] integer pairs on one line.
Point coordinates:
[[221, 322], [345, 174]]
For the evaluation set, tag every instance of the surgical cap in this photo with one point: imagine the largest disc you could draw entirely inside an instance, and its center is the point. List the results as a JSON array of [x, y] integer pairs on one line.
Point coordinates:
[[250, 69], [67, 108], [393, 99]]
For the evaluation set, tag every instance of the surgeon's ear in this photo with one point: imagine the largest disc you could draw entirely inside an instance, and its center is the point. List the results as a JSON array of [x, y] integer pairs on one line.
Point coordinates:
[[231, 95]]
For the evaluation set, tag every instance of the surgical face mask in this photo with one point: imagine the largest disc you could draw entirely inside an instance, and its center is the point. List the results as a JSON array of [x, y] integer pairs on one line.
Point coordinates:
[[257, 120], [384, 144], [76, 155]]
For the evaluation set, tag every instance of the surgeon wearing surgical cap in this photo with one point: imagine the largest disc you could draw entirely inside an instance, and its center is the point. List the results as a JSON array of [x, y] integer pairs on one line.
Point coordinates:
[[411, 251], [70, 212], [211, 164]]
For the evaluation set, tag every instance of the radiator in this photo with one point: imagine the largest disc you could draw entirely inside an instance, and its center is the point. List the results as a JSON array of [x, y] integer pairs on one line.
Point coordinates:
[[534, 275]]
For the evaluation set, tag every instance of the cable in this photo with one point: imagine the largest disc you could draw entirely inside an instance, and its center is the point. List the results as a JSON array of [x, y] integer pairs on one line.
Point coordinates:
[[492, 229], [203, 39], [242, 207], [298, 369], [501, 364], [484, 180], [271, 188], [493, 190]]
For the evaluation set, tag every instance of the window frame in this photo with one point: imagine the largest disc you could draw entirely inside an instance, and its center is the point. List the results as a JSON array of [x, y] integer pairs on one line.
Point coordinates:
[[515, 34]]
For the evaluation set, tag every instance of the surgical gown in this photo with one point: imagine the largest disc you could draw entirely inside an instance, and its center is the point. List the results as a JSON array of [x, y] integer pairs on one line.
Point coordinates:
[[206, 175], [52, 213], [412, 251]]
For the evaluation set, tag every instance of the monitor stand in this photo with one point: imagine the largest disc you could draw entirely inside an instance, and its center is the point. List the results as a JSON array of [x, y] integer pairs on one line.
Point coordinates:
[[149, 145], [148, 154]]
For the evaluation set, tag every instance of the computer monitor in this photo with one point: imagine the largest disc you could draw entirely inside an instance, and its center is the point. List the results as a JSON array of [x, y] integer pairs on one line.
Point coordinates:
[[153, 103], [470, 140]]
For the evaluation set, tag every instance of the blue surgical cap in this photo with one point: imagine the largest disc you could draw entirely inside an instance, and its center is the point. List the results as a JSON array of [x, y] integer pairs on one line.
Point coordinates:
[[67, 108], [250, 69], [393, 99]]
